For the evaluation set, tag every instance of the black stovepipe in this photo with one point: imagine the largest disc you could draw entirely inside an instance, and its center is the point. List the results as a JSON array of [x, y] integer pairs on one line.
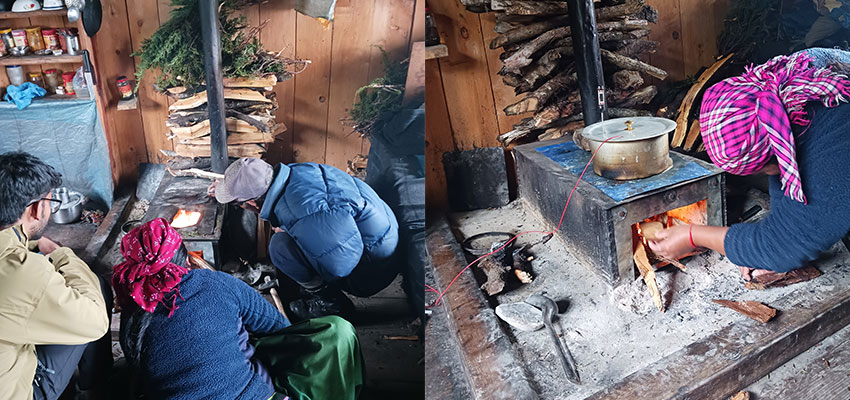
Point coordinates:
[[215, 89], [591, 84]]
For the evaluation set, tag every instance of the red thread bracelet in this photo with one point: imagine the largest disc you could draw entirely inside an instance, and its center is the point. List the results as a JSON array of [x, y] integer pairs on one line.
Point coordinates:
[[691, 235]]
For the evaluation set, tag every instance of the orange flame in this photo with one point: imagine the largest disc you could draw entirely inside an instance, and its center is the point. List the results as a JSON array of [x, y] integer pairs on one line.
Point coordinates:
[[185, 219]]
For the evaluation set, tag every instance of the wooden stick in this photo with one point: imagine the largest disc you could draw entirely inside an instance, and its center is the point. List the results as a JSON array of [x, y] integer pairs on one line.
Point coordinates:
[[648, 274], [632, 64], [751, 309], [687, 103], [194, 172], [693, 135], [526, 32], [277, 302], [540, 96], [523, 56]]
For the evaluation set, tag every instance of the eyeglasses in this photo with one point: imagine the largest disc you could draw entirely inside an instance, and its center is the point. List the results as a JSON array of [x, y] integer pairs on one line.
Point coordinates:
[[55, 204]]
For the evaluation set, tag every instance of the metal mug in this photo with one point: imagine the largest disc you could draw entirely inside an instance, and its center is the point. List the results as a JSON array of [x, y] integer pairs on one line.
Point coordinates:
[[72, 43]]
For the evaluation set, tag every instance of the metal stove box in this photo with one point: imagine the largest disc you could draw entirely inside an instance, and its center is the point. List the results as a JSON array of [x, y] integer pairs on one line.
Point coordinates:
[[598, 224]]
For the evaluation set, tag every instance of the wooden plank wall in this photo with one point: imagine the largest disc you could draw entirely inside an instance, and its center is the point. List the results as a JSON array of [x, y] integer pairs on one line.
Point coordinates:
[[465, 96], [344, 57]]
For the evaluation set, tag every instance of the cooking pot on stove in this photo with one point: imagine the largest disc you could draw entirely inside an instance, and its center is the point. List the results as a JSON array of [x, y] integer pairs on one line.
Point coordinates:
[[71, 208], [638, 146]]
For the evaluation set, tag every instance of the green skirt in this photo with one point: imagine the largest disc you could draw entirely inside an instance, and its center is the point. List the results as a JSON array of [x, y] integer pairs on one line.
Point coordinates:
[[314, 360]]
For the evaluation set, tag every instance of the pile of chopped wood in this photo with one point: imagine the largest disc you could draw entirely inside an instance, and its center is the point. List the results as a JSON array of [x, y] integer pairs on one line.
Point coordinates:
[[539, 62], [249, 110]]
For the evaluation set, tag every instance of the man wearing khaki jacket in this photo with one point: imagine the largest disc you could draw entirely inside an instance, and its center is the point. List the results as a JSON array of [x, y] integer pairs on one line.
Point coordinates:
[[51, 304]]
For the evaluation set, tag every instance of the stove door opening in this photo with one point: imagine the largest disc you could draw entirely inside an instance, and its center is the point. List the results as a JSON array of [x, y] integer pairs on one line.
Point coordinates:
[[185, 219], [694, 213]]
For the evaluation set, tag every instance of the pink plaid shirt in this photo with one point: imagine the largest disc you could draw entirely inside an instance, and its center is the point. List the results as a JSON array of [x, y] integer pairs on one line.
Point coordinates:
[[746, 120]]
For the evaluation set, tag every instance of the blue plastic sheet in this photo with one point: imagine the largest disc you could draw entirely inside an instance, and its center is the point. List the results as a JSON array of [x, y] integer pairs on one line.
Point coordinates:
[[66, 134], [574, 159]]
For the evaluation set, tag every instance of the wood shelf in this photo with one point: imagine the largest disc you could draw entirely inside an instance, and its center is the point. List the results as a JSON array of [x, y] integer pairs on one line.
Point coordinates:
[[37, 59], [31, 14]]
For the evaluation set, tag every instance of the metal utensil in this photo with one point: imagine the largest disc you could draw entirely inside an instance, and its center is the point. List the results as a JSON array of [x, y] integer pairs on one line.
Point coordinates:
[[88, 73], [549, 307], [71, 208], [73, 14]]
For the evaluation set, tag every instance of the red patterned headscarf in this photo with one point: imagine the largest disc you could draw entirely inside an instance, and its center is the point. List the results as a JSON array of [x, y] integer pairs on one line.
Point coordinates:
[[746, 120], [148, 275]]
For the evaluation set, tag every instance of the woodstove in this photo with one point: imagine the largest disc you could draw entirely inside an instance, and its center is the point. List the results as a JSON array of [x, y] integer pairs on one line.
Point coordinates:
[[179, 200], [599, 224]]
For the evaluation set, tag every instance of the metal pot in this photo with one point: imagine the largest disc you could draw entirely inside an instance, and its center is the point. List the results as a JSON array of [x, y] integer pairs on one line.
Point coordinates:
[[71, 208], [638, 147]]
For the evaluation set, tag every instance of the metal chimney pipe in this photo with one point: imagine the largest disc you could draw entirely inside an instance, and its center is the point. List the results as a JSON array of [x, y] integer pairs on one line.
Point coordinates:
[[591, 84], [215, 90]]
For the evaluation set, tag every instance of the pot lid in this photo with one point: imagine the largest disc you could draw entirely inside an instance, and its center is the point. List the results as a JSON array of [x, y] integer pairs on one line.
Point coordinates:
[[629, 129]]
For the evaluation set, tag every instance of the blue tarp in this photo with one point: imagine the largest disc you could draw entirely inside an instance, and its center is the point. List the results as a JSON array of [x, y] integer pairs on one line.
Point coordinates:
[[65, 134], [574, 159]]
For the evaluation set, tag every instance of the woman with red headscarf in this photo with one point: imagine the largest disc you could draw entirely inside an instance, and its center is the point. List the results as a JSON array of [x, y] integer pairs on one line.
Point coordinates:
[[186, 330], [784, 118]]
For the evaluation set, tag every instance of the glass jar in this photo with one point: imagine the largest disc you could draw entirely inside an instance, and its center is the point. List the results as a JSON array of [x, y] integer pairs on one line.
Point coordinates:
[[20, 37], [15, 74], [51, 39], [124, 88], [34, 38], [8, 40], [52, 80], [35, 77]]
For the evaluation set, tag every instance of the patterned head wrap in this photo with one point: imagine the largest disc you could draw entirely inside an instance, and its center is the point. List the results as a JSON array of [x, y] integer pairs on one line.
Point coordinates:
[[746, 120], [148, 275]]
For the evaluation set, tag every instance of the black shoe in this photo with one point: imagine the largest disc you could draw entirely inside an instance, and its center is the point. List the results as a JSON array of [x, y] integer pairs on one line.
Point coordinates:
[[322, 301]]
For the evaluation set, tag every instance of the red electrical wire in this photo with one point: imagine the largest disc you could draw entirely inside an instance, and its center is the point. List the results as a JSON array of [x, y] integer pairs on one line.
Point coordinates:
[[443, 293]]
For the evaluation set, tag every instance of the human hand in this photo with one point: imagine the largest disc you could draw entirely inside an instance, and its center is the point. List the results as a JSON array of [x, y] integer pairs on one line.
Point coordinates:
[[672, 243], [47, 246], [750, 274], [211, 189], [278, 230]]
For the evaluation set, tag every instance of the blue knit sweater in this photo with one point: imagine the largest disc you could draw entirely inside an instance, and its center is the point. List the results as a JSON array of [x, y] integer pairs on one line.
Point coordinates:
[[795, 233], [197, 352]]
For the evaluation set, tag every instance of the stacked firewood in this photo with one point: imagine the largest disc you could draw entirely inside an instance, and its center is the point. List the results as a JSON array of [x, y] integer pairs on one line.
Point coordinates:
[[249, 111], [539, 62]]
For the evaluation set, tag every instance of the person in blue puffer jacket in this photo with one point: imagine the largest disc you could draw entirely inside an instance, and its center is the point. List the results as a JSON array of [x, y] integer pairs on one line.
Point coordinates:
[[332, 231]]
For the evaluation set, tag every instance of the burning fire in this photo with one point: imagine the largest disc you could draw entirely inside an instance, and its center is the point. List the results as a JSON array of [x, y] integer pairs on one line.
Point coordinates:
[[185, 219]]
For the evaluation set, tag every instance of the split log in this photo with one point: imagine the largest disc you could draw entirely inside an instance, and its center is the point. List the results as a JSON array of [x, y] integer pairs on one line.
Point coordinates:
[[640, 97], [626, 80], [614, 112], [693, 135], [176, 162], [607, 37], [631, 47], [236, 151], [751, 309], [784, 279], [625, 24], [527, 32], [233, 138], [263, 127], [232, 125], [650, 229], [198, 173], [255, 82], [632, 64], [648, 13], [648, 274], [552, 113], [503, 27], [627, 8], [512, 80], [201, 98], [523, 56], [687, 103], [543, 68], [540, 96], [521, 129], [524, 7], [561, 131]]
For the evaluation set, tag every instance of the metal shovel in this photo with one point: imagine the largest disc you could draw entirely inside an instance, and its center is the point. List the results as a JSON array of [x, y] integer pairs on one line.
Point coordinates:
[[549, 307]]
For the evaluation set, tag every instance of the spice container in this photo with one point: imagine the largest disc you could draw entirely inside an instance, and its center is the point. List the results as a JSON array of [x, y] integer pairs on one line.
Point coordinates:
[[34, 38], [20, 37], [124, 88], [8, 40], [60, 89], [52, 80], [35, 77], [68, 80], [15, 74], [51, 39], [432, 36], [3, 50]]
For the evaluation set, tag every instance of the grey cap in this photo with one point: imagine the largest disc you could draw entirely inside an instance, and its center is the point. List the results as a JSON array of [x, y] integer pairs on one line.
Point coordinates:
[[246, 179]]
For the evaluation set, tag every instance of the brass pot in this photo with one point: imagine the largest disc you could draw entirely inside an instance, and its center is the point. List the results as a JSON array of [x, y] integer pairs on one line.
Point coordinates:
[[638, 147]]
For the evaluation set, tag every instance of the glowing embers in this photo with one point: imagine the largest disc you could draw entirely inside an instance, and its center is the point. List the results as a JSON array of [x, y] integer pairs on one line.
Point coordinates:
[[185, 219]]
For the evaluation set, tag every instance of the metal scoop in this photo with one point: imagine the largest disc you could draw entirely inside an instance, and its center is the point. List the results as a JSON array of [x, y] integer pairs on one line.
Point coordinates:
[[549, 307]]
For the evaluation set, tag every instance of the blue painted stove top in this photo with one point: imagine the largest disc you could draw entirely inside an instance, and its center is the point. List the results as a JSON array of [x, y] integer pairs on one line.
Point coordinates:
[[574, 159]]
